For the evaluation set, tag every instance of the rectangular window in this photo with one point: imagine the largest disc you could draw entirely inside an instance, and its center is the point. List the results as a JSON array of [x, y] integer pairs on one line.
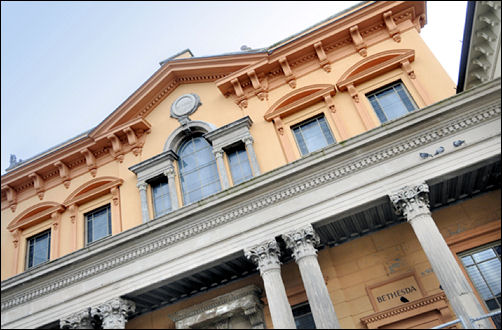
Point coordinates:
[[312, 134], [391, 102], [483, 266], [39, 249], [99, 223], [239, 164], [303, 316], [160, 195]]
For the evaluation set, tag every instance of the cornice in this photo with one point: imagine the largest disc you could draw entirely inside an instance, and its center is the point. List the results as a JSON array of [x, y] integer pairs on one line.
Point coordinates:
[[462, 115]]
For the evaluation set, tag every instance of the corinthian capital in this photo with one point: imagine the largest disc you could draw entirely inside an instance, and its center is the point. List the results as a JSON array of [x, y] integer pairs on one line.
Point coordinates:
[[79, 320], [113, 313], [302, 242], [265, 255], [411, 201]]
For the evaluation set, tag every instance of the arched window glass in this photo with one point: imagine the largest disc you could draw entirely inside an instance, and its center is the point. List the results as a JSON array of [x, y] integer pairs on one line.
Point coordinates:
[[198, 171]]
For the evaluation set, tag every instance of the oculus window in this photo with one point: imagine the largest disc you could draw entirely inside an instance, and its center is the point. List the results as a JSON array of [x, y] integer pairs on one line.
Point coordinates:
[[303, 316], [483, 266], [39, 249], [312, 134], [99, 223], [160, 195], [198, 172], [239, 164], [391, 102]]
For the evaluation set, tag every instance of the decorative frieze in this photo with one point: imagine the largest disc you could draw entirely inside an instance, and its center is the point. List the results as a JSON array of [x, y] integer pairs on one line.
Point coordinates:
[[339, 171]]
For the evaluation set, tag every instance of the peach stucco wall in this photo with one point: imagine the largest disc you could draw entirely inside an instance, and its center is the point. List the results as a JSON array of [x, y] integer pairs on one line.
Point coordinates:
[[218, 110]]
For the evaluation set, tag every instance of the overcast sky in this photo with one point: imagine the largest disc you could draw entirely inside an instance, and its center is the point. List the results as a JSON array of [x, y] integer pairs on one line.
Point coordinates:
[[65, 66]]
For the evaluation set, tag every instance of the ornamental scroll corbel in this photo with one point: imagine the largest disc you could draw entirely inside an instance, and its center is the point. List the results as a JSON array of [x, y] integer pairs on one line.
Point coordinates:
[[64, 173], [358, 40], [39, 184], [391, 26], [288, 74], [11, 197], [90, 161]]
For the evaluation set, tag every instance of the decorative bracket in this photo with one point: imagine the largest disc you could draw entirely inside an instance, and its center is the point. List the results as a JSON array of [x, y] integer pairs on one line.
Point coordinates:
[[353, 92], [242, 100], [406, 66], [290, 77], [329, 103], [134, 141], [73, 208], [90, 160], [117, 152], [278, 125], [391, 26], [11, 197], [39, 184], [358, 40], [64, 172], [260, 91], [323, 59]]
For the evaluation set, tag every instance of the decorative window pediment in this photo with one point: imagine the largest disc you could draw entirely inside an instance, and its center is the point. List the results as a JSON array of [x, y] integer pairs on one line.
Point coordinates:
[[34, 215], [300, 99], [375, 65], [92, 189]]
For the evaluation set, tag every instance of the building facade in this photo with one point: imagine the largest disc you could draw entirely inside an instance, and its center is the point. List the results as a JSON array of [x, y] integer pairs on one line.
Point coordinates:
[[334, 179]]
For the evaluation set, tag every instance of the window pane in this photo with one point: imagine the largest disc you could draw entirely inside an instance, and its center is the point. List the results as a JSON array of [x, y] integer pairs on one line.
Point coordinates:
[[98, 223], [391, 102], [467, 261], [484, 255], [197, 169], [491, 273], [38, 249], [239, 165], [312, 135]]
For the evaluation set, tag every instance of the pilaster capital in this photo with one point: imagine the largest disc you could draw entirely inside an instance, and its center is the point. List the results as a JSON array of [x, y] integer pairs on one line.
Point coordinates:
[[142, 186], [218, 152], [78, 320], [113, 313], [169, 172], [302, 242], [265, 255], [248, 140], [411, 201]]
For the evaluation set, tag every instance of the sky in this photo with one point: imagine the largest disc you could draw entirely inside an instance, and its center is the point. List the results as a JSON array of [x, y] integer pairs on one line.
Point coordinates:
[[65, 66]]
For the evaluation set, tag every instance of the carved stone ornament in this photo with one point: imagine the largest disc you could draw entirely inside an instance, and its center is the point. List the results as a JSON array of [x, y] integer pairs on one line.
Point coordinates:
[[113, 313], [79, 320], [265, 256], [239, 309], [302, 242], [411, 201], [184, 106]]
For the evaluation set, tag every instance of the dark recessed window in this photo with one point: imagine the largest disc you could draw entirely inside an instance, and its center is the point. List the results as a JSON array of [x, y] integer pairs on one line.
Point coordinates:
[[391, 102], [312, 134], [303, 316], [238, 162], [160, 194], [99, 223], [483, 266], [39, 249], [198, 172]]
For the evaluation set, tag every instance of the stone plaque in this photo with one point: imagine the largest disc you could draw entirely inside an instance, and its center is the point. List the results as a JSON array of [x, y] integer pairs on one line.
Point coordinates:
[[185, 105], [395, 292]]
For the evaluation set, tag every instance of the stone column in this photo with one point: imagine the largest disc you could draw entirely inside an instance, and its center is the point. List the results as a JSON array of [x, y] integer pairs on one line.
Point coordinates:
[[413, 203], [302, 242], [248, 141], [170, 173], [144, 202], [79, 320], [113, 313], [218, 154], [266, 257]]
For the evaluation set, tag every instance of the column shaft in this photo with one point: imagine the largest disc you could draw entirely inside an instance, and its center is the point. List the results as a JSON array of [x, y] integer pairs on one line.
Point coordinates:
[[448, 272], [144, 202], [302, 242], [171, 183], [221, 168], [252, 156]]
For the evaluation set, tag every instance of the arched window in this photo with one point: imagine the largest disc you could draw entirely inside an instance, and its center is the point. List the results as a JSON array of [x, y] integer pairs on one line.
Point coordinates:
[[198, 171]]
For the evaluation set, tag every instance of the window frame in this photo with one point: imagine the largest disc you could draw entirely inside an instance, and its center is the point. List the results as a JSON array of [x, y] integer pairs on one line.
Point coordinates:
[[86, 223], [471, 252], [241, 149], [33, 237], [211, 164], [298, 306], [306, 122], [152, 183], [381, 111]]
